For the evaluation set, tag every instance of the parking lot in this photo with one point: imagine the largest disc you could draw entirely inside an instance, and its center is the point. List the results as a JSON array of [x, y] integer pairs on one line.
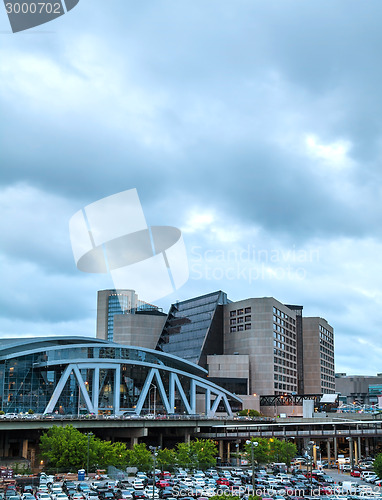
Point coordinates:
[[197, 484]]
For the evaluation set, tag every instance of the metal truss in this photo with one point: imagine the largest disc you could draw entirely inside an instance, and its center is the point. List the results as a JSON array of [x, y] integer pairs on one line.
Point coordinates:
[[213, 395], [288, 399]]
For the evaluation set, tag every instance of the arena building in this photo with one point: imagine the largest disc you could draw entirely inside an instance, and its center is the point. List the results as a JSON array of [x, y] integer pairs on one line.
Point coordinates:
[[76, 375]]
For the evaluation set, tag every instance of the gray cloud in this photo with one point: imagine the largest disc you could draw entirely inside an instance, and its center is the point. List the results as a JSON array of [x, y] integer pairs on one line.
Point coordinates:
[[264, 114]]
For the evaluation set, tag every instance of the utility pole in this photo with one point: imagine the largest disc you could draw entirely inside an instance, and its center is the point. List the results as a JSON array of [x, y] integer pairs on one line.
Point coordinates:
[[252, 444]]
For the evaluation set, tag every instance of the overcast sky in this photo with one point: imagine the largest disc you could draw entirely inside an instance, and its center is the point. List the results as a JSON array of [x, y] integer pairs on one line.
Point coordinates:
[[253, 126]]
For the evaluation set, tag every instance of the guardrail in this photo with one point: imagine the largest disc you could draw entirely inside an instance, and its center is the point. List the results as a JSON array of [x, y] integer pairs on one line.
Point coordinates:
[[129, 417]]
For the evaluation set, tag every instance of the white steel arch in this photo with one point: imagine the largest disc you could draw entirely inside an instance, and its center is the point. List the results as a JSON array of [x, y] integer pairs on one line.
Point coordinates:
[[213, 394]]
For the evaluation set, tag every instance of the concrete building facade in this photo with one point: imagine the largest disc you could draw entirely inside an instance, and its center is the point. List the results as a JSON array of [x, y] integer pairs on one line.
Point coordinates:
[[359, 389], [318, 356], [264, 329], [109, 304], [123, 318], [255, 346]]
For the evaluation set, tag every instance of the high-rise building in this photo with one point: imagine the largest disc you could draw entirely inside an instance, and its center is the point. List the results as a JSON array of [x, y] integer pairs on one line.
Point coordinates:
[[318, 356], [253, 346], [123, 318], [110, 303], [194, 328], [258, 344], [265, 330]]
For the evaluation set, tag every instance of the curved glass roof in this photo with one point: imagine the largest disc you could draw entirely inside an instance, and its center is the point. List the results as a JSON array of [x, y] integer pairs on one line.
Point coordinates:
[[64, 348]]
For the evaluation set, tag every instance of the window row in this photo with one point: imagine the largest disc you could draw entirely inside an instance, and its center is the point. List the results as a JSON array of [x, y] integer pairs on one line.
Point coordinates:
[[284, 354], [240, 328], [234, 321], [284, 387], [283, 315], [240, 312], [287, 371], [284, 362]]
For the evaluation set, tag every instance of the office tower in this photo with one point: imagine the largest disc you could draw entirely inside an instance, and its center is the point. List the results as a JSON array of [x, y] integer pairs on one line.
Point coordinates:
[[123, 318], [194, 328], [252, 346], [318, 356]]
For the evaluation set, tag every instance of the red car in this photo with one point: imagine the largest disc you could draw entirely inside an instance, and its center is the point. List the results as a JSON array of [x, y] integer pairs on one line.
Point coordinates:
[[162, 483], [165, 475], [222, 481], [355, 473], [326, 490]]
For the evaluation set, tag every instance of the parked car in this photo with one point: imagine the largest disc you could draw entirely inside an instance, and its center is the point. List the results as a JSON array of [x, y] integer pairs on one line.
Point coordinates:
[[27, 496], [166, 493], [106, 495], [137, 484], [139, 495], [162, 483], [222, 481]]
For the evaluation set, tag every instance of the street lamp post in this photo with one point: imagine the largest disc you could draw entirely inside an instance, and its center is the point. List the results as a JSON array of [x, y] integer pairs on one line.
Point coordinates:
[[253, 443], [311, 444], [155, 450], [318, 448], [90, 434], [350, 439], [153, 386]]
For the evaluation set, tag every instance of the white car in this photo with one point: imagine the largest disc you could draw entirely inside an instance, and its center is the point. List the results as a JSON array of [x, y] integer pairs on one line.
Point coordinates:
[[138, 484], [28, 496], [199, 481], [42, 495], [55, 490], [149, 492]]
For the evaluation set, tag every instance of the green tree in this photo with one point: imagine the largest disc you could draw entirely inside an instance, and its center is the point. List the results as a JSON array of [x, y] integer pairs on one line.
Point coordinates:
[[378, 465], [64, 448], [271, 450], [166, 459], [184, 456], [261, 451], [140, 457], [249, 413], [205, 452], [200, 454]]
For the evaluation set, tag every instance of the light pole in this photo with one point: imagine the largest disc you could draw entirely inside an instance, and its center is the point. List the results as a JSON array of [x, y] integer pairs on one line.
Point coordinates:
[[310, 448], [350, 439], [318, 448], [153, 386], [90, 434], [155, 450], [79, 396], [237, 454], [253, 443]]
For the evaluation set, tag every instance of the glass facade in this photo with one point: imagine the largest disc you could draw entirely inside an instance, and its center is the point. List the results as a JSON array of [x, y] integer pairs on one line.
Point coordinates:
[[122, 303], [117, 304], [192, 326], [71, 375]]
